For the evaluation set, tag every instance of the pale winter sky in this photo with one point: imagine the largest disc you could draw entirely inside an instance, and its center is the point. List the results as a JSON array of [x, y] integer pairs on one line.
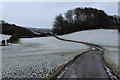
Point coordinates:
[[42, 14]]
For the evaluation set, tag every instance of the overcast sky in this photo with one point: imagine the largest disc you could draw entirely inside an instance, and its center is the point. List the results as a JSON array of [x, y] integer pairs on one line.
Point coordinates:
[[42, 14]]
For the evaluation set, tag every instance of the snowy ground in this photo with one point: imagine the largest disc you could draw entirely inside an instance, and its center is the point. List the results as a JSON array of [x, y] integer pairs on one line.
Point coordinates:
[[108, 39], [38, 57], [111, 57], [2, 37], [43, 57], [101, 37]]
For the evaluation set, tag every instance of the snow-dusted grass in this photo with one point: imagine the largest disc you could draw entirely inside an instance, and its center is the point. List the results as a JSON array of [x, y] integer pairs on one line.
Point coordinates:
[[111, 58], [100, 37], [43, 57], [38, 57], [108, 39], [2, 37], [0, 62]]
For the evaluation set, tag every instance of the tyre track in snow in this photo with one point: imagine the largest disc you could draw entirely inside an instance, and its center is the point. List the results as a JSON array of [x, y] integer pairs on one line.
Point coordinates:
[[89, 64]]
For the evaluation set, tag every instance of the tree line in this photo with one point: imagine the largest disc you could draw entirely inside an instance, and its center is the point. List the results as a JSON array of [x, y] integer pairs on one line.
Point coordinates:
[[16, 32], [12, 29], [83, 19]]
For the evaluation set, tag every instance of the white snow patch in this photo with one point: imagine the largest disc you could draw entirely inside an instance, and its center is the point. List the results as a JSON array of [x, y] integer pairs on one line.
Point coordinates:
[[110, 73], [93, 48]]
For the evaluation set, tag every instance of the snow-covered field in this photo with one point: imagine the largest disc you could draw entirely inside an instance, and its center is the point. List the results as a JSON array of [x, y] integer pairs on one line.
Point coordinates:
[[38, 57], [101, 37], [2, 37], [111, 57], [108, 39], [43, 57]]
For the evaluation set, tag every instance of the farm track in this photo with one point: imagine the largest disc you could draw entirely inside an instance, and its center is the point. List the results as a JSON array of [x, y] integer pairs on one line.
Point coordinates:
[[90, 64]]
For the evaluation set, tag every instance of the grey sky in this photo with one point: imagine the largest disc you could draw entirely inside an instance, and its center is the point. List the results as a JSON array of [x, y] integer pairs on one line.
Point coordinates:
[[42, 14]]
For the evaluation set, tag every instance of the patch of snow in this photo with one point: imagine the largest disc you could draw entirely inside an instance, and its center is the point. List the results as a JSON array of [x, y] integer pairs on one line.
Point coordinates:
[[110, 73], [93, 48]]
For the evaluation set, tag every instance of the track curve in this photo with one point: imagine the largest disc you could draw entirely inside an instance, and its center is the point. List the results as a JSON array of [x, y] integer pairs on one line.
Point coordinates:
[[87, 65]]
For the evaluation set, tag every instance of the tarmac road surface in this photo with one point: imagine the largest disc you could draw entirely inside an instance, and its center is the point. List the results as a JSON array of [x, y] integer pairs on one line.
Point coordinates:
[[87, 65]]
